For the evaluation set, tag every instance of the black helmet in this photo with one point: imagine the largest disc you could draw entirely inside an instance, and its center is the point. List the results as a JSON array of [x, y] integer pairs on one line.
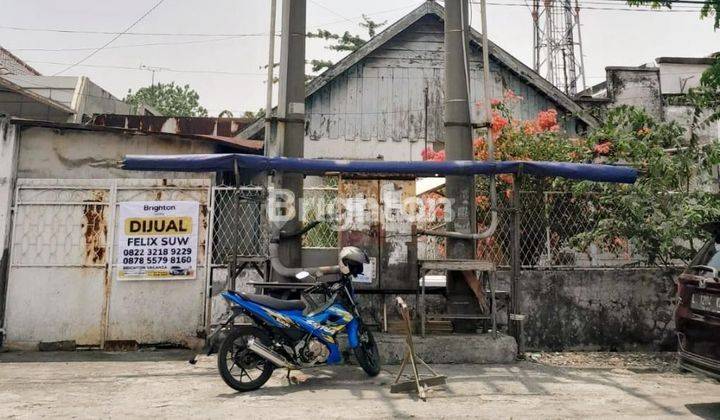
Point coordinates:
[[352, 259]]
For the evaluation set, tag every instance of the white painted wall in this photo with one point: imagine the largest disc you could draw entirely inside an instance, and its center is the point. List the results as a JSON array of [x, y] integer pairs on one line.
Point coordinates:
[[72, 154], [679, 78], [54, 292], [77, 93]]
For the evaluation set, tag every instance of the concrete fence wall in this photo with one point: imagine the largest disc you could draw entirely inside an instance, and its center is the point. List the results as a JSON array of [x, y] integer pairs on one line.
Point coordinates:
[[612, 309]]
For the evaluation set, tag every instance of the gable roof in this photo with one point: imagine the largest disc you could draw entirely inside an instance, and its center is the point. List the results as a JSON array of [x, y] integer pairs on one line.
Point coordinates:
[[434, 9], [11, 64]]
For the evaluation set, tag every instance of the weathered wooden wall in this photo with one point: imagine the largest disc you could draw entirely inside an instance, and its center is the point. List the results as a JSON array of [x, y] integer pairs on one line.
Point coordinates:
[[376, 108]]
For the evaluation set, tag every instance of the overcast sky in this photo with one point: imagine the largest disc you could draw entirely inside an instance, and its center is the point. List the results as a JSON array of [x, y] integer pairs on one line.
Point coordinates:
[[226, 69]]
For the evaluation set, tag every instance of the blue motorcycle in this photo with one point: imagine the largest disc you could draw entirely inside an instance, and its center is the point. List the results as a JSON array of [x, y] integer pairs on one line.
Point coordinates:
[[296, 334]]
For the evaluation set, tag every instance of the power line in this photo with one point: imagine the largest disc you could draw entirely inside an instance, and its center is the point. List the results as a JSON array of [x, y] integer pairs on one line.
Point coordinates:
[[614, 3], [616, 9], [138, 20], [322, 6], [672, 1], [381, 12], [148, 44], [685, 9], [171, 70], [192, 34], [90, 32]]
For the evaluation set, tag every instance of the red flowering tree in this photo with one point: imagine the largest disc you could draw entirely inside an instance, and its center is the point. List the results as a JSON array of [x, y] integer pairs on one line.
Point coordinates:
[[658, 217], [538, 139]]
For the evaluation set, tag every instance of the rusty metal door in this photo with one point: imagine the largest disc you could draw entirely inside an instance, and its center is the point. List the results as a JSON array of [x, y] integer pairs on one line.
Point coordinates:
[[61, 283], [379, 216], [398, 243], [359, 221]]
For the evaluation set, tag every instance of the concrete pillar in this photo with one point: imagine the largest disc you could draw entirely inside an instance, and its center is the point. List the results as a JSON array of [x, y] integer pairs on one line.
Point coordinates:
[[291, 115], [458, 146], [8, 175]]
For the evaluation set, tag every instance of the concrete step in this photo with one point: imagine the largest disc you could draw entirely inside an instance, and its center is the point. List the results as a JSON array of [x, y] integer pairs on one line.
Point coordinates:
[[452, 348]]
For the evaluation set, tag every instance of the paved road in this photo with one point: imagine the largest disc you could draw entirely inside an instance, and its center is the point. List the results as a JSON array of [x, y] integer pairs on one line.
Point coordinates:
[[162, 384]]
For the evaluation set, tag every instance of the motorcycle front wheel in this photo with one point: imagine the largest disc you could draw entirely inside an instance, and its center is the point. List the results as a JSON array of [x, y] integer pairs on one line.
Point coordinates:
[[239, 367], [366, 352]]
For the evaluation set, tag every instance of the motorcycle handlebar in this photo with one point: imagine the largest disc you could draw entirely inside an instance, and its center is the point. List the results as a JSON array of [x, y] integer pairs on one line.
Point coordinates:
[[308, 227], [325, 284]]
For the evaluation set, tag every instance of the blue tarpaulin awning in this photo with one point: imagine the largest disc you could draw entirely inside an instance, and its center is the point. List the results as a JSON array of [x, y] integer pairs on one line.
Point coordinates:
[[256, 164]]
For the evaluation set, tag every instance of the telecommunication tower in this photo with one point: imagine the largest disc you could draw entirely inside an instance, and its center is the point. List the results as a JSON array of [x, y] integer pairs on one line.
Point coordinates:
[[557, 44]]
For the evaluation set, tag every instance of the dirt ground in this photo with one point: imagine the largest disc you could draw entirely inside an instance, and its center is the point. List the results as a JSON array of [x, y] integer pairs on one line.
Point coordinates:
[[162, 384], [633, 361]]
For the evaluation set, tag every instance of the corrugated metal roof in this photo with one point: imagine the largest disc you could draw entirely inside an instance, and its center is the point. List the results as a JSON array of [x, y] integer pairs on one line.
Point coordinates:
[[226, 127], [240, 145], [224, 130]]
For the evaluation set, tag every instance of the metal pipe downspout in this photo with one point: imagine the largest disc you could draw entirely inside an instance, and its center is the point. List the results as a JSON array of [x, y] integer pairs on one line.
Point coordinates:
[[490, 141], [284, 271], [488, 115]]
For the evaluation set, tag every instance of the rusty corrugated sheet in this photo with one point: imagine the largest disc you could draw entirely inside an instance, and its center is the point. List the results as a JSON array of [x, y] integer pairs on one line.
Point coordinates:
[[224, 127], [224, 130], [241, 145]]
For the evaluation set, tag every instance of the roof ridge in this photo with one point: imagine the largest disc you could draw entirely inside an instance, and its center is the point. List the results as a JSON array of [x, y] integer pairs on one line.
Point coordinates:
[[19, 61], [430, 7]]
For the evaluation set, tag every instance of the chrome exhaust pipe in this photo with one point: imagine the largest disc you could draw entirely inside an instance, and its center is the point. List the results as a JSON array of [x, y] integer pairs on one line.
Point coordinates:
[[267, 354]]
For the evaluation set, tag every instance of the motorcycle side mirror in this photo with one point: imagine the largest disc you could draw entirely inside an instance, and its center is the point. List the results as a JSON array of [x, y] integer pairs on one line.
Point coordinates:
[[302, 275]]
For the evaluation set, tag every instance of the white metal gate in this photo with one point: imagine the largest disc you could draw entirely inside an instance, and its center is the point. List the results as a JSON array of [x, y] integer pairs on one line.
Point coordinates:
[[61, 283]]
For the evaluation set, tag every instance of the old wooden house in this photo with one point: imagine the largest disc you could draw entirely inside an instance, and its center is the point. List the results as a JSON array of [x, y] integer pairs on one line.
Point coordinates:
[[385, 101]]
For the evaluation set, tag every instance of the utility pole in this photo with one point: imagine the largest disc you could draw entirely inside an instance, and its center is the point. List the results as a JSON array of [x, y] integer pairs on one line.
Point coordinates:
[[270, 74], [458, 146], [291, 116], [152, 69]]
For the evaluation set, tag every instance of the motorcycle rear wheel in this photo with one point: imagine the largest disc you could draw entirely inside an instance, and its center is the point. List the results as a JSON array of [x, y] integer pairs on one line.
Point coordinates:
[[367, 353], [240, 368]]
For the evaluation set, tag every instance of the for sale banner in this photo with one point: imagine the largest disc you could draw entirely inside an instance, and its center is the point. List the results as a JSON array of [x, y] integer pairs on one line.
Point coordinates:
[[157, 240]]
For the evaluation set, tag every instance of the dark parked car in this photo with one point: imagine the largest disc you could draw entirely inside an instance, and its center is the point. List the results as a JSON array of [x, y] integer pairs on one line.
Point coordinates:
[[697, 317], [179, 271]]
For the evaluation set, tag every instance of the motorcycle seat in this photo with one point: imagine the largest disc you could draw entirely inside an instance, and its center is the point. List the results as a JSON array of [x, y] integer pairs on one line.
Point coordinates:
[[272, 303]]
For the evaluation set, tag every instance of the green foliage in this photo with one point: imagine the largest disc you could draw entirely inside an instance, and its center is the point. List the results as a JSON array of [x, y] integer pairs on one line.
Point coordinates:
[[318, 65], [705, 99], [168, 98], [710, 8], [660, 215], [711, 77], [371, 26], [346, 42], [259, 114]]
